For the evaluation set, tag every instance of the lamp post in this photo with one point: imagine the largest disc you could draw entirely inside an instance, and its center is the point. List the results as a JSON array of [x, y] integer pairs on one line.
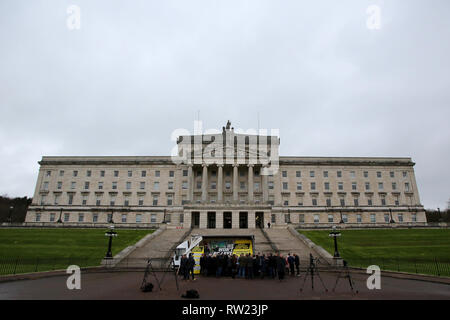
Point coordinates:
[[111, 233], [390, 214], [60, 214], [440, 215], [11, 208], [335, 234]]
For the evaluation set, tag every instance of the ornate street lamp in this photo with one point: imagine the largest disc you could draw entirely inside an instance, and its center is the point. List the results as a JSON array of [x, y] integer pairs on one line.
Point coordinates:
[[390, 214], [342, 220], [60, 214], [11, 208], [335, 234], [111, 233]]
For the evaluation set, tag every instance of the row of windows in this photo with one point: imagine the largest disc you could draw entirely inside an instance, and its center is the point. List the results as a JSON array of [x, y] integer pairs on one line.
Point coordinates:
[[81, 218], [88, 173], [341, 186], [352, 174], [373, 218]]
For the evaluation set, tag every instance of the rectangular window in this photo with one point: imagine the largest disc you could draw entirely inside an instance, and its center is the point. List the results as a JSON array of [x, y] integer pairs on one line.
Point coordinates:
[[52, 217], [45, 185], [352, 174], [312, 174], [61, 173], [59, 185], [143, 174], [70, 198], [171, 173], [301, 218], [72, 185], [75, 173], [367, 185], [128, 185], [126, 201], [213, 185], [116, 173], [114, 185], [270, 185], [88, 173], [273, 218], [354, 185], [242, 185], [414, 217], [400, 217], [124, 218], [38, 217], [141, 200], [330, 218], [358, 218], [130, 173], [142, 185], [299, 186], [328, 202], [394, 186], [109, 218], [366, 174], [383, 201], [66, 217], [169, 199], [86, 185], [84, 199], [373, 218], [156, 186], [256, 186], [345, 218], [155, 200], [392, 174], [284, 174], [316, 218], [406, 186], [43, 199], [100, 185], [386, 218], [228, 185], [342, 200], [285, 185], [199, 185], [57, 199], [153, 218], [405, 174], [138, 218], [378, 174], [298, 174], [95, 217], [380, 185], [185, 173], [325, 174], [184, 185], [313, 186], [102, 173], [340, 186], [356, 202], [314, 201], [339, 174], [287, 218], [369, 202], [80, 217]]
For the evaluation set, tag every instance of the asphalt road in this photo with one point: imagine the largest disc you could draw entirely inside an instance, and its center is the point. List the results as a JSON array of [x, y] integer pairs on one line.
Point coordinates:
[[125, 285]]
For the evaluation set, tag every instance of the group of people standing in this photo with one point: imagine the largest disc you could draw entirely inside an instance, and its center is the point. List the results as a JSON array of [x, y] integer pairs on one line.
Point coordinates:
[[250, 266]]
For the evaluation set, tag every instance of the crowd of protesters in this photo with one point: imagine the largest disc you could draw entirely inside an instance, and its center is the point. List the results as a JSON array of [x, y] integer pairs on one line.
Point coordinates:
[[243, 266]]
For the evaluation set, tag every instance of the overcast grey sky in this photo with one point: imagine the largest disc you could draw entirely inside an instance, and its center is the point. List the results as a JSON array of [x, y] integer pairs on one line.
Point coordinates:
[[137, 70]]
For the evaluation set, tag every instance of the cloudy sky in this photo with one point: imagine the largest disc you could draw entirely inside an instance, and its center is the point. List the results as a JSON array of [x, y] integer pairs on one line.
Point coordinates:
[[137, 70]]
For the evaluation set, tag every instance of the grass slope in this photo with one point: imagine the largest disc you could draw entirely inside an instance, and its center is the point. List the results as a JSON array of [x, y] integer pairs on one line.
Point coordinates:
[[411, 250]]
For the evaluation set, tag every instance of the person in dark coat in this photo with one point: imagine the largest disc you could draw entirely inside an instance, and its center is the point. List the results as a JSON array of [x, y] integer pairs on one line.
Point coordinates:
[[272, 265], [233, 266], [281, 266], [183, 267], [291, 261], [250, 269], [262, 266], [190, 266], [203, 264], [297, 263]]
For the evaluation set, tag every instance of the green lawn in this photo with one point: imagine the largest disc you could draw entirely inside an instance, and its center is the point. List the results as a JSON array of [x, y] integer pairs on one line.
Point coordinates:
[[411, 250], [28, 250]]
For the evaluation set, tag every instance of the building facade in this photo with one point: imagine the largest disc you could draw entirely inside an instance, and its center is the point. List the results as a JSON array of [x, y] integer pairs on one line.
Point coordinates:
[[226, 180]]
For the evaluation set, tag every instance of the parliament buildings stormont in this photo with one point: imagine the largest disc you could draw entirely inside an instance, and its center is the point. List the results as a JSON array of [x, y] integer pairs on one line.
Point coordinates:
[[226, 180]]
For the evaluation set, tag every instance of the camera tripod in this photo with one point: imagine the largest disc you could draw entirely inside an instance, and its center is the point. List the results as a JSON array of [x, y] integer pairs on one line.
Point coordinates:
[[345, 273], [150, 270], [312, 269]]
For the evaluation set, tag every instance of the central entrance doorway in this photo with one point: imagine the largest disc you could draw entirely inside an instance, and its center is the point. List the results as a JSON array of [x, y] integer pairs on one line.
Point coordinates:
[[243, 220], [227, 220], [195, 219], [259, 219], [211, 220]]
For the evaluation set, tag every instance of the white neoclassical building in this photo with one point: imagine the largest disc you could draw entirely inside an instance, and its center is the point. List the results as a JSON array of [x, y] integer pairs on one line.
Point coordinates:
[[226, 180]]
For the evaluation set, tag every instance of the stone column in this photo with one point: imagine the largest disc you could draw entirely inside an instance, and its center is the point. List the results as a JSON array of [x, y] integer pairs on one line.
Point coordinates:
[[265, 189], [219, 219], [250, 183], [190, 185], [203, 220], [220, 184], [251, 219], [235, 183], [205, 183], [235, 220]]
